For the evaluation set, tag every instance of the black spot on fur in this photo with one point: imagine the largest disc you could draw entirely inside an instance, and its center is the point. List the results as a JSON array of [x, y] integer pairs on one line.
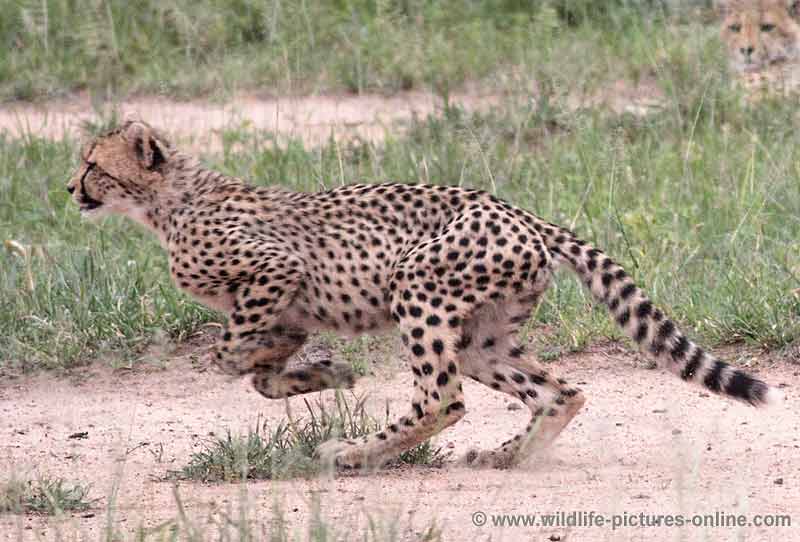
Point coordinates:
[[691, 368], [713, 380], [666, 330], [644, 308], [741, 386], [456, 405], [538, 380], [679, 350], [641, 332], [627, 291]]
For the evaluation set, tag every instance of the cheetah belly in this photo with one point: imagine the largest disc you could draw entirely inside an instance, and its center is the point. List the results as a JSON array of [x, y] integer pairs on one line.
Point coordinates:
[[349, 318]]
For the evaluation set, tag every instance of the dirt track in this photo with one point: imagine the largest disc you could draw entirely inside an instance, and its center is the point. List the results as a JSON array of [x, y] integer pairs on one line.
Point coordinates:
[[312, 119], [196, 124], [645, 442]]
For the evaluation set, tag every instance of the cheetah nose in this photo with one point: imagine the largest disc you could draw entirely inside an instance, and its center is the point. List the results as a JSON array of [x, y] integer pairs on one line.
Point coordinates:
[[70, 189], [747, 51]]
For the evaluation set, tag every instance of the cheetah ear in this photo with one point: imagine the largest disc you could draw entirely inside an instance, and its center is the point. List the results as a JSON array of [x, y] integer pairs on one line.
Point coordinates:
[[724, 7], [793, 7], [149, 147]]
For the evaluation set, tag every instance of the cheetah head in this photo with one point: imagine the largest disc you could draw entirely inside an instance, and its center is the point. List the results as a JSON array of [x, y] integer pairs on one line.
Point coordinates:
[[120, 171], [758, 33]]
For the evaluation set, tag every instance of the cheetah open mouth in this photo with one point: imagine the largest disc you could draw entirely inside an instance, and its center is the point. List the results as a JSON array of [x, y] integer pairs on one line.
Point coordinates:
[[88, 203]]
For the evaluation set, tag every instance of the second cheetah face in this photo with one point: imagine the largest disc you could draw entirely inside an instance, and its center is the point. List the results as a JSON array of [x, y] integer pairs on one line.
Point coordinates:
[[758, 33], [120, 171]]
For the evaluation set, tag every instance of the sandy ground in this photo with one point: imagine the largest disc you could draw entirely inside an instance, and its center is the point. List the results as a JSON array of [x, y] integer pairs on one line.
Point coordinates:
[[311, 119], [645, 443]]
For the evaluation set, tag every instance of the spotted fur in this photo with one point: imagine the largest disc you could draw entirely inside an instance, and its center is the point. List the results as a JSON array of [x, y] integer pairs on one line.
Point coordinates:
[[457, 270]]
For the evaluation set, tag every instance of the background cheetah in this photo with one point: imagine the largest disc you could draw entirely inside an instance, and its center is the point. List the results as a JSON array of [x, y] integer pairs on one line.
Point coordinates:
[[458, 270], [760, 33]]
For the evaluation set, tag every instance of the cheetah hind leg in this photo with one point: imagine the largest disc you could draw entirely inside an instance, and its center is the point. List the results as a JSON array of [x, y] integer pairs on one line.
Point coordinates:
[[551, 401], [493, 356], [437, 403], [495, 359]]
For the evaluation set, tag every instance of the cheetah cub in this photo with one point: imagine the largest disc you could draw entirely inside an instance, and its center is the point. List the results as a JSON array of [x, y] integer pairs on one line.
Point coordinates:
[[762, 38], [760, 33], [457, 270]]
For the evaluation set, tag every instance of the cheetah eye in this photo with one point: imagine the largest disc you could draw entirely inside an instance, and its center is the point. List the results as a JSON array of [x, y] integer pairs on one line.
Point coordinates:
[[735, 28], [767, 27]]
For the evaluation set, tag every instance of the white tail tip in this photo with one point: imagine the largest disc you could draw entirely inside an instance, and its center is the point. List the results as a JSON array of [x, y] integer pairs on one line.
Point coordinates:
[[773, 397]]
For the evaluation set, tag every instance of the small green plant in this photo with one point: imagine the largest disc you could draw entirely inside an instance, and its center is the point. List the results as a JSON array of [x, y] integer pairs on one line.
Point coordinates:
[[51, 496], [353, 353], [48, 496], [12, 496], [423, 454], [356, 352], [363, 353], [257, 455], [287, 449]]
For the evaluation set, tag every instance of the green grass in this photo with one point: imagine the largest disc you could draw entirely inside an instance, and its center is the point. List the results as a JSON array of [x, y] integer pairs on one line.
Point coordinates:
[[286, 449], [362, 353], [187, 48], [703, 214], [699, 200], [48, 496]]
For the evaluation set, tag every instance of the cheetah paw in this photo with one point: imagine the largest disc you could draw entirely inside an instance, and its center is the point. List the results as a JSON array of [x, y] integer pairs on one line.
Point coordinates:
[[333, 454], [489, 459], [225, 367], [341, 375]]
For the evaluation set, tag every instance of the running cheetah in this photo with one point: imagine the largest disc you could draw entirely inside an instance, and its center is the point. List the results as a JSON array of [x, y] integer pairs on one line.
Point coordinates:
[[457, 270]]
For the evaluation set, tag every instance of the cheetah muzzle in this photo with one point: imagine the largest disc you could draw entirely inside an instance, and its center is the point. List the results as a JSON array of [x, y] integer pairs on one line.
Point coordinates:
[[457, 270]]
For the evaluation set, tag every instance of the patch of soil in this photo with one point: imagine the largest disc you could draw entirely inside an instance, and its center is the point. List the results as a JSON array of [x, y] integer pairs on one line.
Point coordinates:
[[196, 124], [644, 443], [312, 119]]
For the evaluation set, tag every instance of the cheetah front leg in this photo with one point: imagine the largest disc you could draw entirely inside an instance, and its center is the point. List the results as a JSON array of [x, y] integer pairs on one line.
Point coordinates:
[[270, 376], [258, 339]]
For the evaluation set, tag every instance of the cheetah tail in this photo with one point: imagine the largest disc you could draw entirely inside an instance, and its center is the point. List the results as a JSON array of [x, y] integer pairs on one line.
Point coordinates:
[[647, 325]]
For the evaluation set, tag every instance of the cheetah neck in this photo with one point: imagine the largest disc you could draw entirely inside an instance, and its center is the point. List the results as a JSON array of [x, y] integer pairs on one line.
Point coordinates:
[[186, 182]]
